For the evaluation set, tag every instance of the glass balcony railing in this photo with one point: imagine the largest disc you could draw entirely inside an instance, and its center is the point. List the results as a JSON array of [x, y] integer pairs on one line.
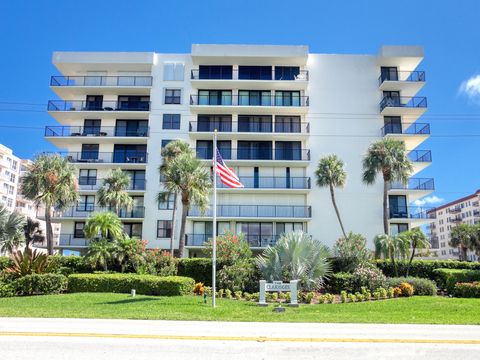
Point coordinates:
[[253, 240], [257, 211], [410, 76], [414, 184], [206, 153], [301, 75], [112, 131], [71, 241], [420, 156], [272, 182], [95, 80], [82, 105], [247, 100], [283, 128], [411, 212], [407, 129], [85, 210], [86, 183], [117, 157], [403, 102]]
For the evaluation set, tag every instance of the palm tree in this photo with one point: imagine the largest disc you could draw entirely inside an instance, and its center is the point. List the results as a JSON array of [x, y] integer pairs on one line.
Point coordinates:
[[104, 224], [114, 191], [463, 237], [389, 158], [100, 252], [296, 256], [33, 232], [50, 181], [129, 250], [330, 172], [391, 247], [11, 226], [187, 177], [170, 152], [417, 240]]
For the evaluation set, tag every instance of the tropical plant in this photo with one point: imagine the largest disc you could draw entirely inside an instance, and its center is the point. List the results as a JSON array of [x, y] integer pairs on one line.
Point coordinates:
[[50, 181], [417, 240], [32, 232], [100, 252], [391, 247], [230, 248], [296, 256], [103, 224], [387, 157], [114, 191], [11, 234], [187, 177], [463, 237], [368, 277], [129, 252], [28, 262], [330, 172], [351, 252]]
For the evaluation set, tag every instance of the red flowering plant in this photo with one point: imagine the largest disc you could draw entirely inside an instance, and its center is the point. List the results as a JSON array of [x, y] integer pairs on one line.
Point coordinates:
[[230, 248], [351, 252]]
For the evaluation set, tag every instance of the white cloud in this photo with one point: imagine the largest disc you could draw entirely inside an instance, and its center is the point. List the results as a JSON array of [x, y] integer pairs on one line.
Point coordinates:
[[428, 200], [471, 88]]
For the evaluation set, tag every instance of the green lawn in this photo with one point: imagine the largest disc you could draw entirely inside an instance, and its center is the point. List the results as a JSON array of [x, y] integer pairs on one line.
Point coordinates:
[[427, 310]]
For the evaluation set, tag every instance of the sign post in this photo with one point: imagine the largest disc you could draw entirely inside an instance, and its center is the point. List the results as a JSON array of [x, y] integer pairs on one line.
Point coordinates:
[[277, 286]]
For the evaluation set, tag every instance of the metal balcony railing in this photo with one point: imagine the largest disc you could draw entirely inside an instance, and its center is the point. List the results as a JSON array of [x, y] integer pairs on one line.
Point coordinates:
[[414, 184], [86, 183], [283, 128], [455, 209], [82, 105], [420, 156], [411, 76], [85, 210], [407, 129], [456, 219], [120, 131], [95, 80], [71, 241], [117, 157], [247, 100], [257, 211], [206, 153], [403, 102], [272, 182], [301, 75], [411, 212], [253, 240]]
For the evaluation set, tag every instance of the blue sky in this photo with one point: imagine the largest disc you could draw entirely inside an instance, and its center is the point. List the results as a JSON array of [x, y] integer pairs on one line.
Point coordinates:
[[31, 30]]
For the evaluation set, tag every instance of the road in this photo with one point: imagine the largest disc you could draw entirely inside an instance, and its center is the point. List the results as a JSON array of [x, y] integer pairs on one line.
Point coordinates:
[[23, 338]]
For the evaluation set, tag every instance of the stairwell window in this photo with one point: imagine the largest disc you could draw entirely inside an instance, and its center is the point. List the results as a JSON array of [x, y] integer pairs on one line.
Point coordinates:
[[173, 96], [173, 71], [171, 122], [164, 228]]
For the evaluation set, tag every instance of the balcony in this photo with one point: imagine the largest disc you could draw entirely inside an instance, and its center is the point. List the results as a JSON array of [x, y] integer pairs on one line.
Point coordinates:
[[70, 241], [456, 219], [83, 211], [415, 188], [64, 135], [408, 106], [412, 134], [255, 241], [206, 153], [408, 82], [131, 159], [86, 183], [270, 182], [455, 210], [256, 211], [476, 213], [411, 213]]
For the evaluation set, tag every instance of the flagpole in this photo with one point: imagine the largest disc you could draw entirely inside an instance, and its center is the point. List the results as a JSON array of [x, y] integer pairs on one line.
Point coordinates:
[[214, 242]]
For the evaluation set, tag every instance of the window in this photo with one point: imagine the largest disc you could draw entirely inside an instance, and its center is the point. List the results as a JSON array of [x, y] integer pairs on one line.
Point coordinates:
[[171, 121], [288, 150], [392, 125], [254, 150], [288, 124], [12, 178], [389, 73], [94, 102], [222, 123], [286, 72], [255, 72], [215, 72], [86, 203], [9, 202], [165, 142], [254, 98], [173, 96], [129, 153], [164, 228], [87, 177], [137, 179], [205, 149], [398, 206], [91, 127], [396, 229], [133, 229], [168, 204], [173, 71], [78, 230], [89, 151], [257, 123], [131, 128], [129, 102], [214, 97], [257, 234], [287, 98]]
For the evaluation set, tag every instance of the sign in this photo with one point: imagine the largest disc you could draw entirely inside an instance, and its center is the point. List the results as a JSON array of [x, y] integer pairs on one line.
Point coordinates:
[[278, 286]]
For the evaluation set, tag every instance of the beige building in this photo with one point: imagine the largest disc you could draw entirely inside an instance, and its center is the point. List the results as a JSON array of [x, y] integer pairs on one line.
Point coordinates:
[[464, 210]]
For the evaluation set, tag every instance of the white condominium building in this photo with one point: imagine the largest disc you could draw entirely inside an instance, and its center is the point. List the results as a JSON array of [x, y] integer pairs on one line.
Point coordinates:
[[9, 177], [465, 210], [277, 109]]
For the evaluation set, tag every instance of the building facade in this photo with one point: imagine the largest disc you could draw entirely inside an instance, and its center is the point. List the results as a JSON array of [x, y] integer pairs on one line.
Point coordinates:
[[277, 110], [465, 210]]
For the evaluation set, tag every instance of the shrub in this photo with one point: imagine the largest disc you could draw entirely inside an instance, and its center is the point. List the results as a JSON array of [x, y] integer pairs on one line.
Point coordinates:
[[4, 262], [369, 277], [424, 268], [383, 292], [247, 296], [397, 292], [199, 269], [447, 278], [6, 289], [467, 290], [28, 262], [309, 297], [423, 287], [228, 293], [338, 282], [230, 248], [352, 298], [241, 276], [343, 296], [237, 295], [390, 292], [70, 264], [351, 252], [407, 289], [157, 262], [40, 284], [124, 283], [198, 289], [220, 293]]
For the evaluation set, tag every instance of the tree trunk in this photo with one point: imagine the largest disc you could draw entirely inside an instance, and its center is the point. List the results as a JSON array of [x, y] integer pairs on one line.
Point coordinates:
[[394, 264], [181, 245], [48, 225], [174, 219], [332, 194], [464, 253], [385, 207], [411, 259]]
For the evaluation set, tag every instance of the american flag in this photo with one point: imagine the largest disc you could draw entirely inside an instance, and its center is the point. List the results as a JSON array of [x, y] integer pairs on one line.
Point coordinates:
[[227, 175]]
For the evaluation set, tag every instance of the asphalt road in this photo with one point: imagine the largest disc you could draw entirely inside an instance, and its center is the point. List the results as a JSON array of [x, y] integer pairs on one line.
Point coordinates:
[[23, 338]]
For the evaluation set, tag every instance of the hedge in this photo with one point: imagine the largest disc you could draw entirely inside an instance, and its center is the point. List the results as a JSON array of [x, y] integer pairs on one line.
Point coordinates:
[[40, 284], [6, 289], [423, 287], [338, 282], [199, 269], [423, 268], [124, 283], [4, 262], [71, 264], [447, 278], [467, 290]]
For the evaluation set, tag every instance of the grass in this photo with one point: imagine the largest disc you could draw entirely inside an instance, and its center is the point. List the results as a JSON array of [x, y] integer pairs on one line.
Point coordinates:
[[416, 310]]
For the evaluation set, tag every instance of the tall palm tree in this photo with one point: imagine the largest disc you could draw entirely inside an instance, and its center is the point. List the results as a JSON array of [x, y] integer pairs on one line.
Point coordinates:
[[387, 157], [416, 240], [463, 237], [11, 230], [50, 181], [100, 252], [33, 232], [330, 172], [114, 191], [170, 152], [104, 224], [186, 176], [391, 247]]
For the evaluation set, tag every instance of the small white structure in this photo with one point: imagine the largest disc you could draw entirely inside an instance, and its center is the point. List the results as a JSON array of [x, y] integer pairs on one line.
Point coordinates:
[[278, 286]]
